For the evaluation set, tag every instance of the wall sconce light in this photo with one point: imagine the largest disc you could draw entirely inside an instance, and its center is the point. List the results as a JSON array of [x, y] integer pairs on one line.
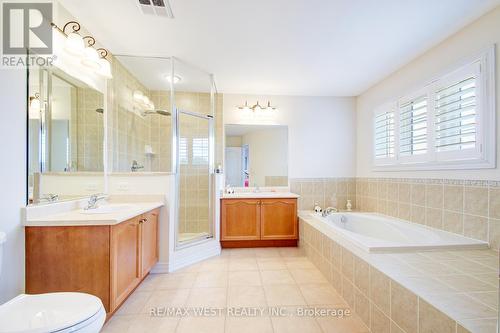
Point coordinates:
[[83, 47], [257, 107]]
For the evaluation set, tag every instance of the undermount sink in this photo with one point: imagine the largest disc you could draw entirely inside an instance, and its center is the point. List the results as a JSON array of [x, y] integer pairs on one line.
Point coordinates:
[[107, 209]]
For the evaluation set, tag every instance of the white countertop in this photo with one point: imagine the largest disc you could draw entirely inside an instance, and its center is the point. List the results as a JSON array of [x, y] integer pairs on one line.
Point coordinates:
[[259, 195], [78, 217]]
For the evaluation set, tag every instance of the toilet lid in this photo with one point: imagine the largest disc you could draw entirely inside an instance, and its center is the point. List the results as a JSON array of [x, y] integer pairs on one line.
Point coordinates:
[[47, 312]]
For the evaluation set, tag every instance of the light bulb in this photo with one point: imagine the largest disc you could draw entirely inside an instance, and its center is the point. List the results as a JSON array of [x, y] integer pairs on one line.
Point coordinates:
[[91, 58], [176, 78], [105, 68], [74, 44]]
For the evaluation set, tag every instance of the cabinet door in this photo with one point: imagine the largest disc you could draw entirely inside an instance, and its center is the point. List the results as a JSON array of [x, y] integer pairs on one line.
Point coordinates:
[[149, 241], [240, 219], [279, 219], [125, 269]]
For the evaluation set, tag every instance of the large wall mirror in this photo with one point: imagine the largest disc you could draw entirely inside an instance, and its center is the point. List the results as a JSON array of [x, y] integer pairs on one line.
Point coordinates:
[[65, 136], [256, 155]]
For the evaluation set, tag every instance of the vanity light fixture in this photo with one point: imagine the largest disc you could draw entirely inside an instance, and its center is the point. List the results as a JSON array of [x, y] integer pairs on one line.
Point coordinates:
[[83, 48], [177, 78], [257, 107]]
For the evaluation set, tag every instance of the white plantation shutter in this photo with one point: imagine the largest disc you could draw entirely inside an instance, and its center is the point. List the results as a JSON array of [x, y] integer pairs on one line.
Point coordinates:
[[384, 135], [200, 151], [456, 116], [183, 151], [413, 127]]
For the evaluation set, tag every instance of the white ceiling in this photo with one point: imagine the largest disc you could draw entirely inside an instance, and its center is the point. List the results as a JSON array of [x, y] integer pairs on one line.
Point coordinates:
[[289, 47]]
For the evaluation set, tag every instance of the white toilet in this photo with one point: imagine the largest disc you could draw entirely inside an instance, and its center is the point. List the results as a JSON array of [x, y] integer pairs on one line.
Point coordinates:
[[52, 312]]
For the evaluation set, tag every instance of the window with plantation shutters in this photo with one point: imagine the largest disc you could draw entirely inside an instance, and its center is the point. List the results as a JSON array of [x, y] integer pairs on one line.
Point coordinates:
[[384, 135], [447, 124], [456, 116], [413, 127]]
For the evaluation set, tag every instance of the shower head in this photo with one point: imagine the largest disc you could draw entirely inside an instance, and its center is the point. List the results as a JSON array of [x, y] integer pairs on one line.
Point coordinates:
[[99, 110], [158, 112]]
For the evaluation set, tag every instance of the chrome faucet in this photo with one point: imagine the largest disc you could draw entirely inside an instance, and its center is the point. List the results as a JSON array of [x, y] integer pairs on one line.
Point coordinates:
[[327, 211], [93, 200], [256, 188], [135, 166]]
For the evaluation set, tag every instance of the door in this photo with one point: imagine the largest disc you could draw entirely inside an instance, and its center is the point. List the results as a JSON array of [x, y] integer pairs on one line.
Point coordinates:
[[149, 241], [125, 269], [233, 167], [279, 219], [240, 219]]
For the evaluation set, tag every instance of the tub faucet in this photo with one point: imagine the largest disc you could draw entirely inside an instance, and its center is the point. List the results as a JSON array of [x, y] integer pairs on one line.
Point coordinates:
[[327, 211], [50, 197], [135, 166], [93, 200]]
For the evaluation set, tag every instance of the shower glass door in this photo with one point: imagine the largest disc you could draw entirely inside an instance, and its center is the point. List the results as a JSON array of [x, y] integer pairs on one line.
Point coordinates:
[[195, 222], [194, 93]]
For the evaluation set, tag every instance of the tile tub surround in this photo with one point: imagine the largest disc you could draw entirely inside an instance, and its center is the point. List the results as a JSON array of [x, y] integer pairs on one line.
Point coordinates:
[[466, 207], [324, 191], [433, 291]]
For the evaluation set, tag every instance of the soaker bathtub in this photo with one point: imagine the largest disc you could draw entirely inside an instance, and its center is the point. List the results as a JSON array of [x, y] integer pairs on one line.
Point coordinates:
[[379, 233]]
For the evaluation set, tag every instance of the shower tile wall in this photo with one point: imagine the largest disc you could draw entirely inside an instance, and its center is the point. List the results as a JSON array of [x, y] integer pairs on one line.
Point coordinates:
[[470, 208], [325, 192], [87, 134]]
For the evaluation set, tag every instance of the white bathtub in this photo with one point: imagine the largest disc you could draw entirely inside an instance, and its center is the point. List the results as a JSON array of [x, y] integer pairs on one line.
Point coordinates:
[[380, 233]]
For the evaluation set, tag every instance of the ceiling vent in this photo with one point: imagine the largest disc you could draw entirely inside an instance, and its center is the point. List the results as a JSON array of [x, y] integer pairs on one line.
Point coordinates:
[[156, 7]]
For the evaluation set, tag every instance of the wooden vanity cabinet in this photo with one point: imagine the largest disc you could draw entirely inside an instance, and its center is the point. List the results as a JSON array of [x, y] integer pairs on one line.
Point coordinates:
[[107, 261], [259, 222]]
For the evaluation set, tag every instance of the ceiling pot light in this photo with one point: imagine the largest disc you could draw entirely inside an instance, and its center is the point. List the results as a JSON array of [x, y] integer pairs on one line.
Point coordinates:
[[91, 58], [176, 78], [74, 44]]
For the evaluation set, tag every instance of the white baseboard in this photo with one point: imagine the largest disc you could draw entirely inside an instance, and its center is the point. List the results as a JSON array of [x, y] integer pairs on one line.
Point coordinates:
[[194, 254], [160, 267]]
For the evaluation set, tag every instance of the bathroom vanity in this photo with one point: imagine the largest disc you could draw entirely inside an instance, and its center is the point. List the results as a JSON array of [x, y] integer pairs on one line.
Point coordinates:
[[251, 219], [104, 254]]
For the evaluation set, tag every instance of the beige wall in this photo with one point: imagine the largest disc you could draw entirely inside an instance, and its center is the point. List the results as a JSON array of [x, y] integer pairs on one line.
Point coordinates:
[[466, 43]]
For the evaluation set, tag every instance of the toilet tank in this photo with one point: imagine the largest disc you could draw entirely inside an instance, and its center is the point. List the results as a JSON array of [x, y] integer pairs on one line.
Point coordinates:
[[3, 238]]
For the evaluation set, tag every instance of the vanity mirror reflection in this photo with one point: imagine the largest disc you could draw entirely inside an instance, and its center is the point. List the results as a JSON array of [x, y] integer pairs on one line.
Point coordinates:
[[256, 155], [65, 136]]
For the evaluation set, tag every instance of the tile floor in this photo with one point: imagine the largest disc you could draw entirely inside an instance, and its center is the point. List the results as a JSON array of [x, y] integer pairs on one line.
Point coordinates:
[[266, 278]]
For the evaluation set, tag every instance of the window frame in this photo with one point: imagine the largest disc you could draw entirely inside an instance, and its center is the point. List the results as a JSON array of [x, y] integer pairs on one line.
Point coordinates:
[[386, 108], [484, 154]]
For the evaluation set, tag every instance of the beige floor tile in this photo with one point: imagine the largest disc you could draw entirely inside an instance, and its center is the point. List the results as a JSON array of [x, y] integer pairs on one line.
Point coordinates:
[[176, 281], [295, 325], [299, 263], [246, 296], [283, 295], [282, 276], [351, 324], [201, 325], [118, 324], [248, 325], [271, 263], [242, 264], [316, 294], [307, 276], [166, 298], [240, 253], [151, 282], [244, 278], [146, 324], [207, 297], [135, 303], [267, 252], [211, 279], [291, 252], [215, 265]]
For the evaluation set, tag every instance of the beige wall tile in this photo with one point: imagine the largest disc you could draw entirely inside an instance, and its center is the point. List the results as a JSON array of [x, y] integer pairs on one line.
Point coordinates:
[[404, 307], [476, 227], [434, 218], [434, 196], [494, 234], [476, 201], [348, 264], [432, 320], [380, 290], [418, 194], [418, 214], [494, 203], [404, 192], [453, 222], [454, 198], [392, 192], [362, 307], [348, 291], [380, 323], [361, 275], [404, 211]]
